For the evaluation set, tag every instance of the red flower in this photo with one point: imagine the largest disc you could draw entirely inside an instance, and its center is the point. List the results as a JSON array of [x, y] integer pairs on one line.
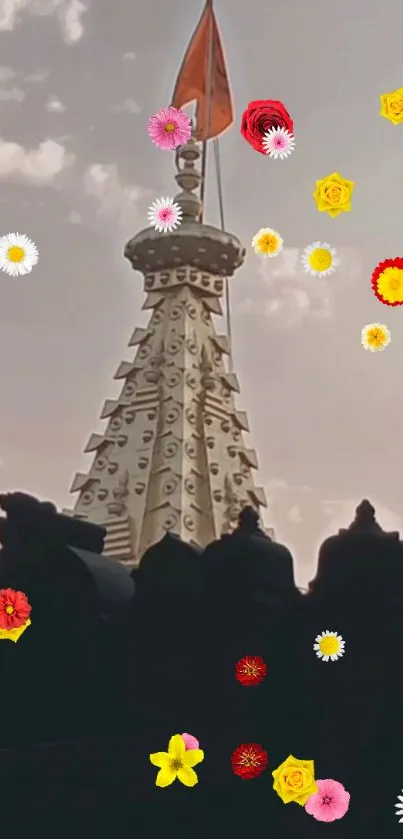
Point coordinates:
[[249, 760], [251, 670], [14, 608], [259, 117], [387, 284]]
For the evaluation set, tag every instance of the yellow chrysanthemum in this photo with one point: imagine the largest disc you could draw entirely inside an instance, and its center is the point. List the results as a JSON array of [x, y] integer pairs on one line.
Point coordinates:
[[267, 242], [389, 286], [392, 106], [178, 763], [333, 194], [294, 780], [375, 337]]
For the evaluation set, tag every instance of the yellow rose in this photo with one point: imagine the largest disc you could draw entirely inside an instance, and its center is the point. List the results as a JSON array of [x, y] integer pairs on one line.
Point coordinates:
[[333, 194], [294, 780], [392, 106]]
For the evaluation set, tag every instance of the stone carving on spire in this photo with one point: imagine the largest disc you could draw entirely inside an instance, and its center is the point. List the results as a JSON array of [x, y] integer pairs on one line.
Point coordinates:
[[174, 436]]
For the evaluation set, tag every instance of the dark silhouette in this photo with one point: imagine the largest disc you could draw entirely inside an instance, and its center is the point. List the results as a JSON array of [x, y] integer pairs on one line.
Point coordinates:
[[114, 664]]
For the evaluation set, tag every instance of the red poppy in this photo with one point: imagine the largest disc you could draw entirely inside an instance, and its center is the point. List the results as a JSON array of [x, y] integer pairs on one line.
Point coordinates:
[[14, 608], [251, 670], [249, 760]]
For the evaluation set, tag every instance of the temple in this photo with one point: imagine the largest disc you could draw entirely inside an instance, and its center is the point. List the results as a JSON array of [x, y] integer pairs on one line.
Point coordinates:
[[173, 456]]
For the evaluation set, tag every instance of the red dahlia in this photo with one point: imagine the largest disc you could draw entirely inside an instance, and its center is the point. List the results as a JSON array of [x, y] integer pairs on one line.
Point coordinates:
[[251, 670], [14, 608], [249, 760]]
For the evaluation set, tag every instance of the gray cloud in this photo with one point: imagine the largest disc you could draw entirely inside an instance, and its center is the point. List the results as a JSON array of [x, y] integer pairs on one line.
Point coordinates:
[[36, 166], [69, 13]]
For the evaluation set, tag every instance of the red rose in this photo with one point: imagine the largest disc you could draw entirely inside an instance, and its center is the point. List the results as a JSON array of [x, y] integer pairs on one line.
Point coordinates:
[[250, 670], [14, 608], [249, 761], [259, 117]]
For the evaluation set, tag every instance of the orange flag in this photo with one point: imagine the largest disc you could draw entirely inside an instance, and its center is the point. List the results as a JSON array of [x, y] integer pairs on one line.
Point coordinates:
[[203, 77]]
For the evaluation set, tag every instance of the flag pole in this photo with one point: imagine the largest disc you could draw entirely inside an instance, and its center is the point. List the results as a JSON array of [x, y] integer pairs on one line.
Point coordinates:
[[209, 82]]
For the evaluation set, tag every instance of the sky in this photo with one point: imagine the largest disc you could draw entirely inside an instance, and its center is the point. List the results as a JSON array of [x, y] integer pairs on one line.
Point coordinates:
[[78, 81]]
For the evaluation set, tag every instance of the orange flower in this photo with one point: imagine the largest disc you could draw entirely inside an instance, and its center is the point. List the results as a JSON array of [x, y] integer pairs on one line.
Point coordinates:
[[249, 760], [250, 670], [14, 608]]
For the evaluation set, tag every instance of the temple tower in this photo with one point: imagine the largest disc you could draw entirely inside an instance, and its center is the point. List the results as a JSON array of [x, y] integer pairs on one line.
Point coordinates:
[[173, 455]]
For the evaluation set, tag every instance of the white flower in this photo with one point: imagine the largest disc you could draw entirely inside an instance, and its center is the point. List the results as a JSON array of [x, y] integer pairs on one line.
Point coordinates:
[[399, 806], [329, 646], [18, 254], [267, 242], [375, 337], [319, 259], [278, 142], [164, 215]]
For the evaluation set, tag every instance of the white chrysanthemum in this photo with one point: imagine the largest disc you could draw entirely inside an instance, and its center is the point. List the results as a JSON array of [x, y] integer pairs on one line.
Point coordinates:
[[164, 215], [329, 646], [267, 242], [375, 337], [399, 807], [278, 142], [18, 254], [319, 259]]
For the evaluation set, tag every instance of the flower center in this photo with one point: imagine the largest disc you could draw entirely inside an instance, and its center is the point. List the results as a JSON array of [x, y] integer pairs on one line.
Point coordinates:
[[396, 106], [249, 759], [326, 799], [176, 765], [169, 127], [15, 254], [375, 336], [329, 645], [334, 193], [9, 610], [320, 259], [294, 779], [250, 669], [269, 242]]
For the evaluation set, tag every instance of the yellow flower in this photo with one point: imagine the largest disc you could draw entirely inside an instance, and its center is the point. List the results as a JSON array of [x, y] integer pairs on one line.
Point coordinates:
[[375, 336], [392, 106], [333, 195], [294, 780], [267, 242], [177, 763], [14, 634]]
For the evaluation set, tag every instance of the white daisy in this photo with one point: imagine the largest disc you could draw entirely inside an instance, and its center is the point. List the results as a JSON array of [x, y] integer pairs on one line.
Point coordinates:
[[164, 215], [319, 259], [399, 806], [18, 254], [329, 646], [278, 142]]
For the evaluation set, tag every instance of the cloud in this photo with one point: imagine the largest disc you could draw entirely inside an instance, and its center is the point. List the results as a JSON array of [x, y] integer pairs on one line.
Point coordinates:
[[37, 78], [129, 56], [55, 105], [15, 94], [285, 291], [37, 166], [69, 13], [294, 515], [6, 73], [75, 218], [128, 106], [115, 198]]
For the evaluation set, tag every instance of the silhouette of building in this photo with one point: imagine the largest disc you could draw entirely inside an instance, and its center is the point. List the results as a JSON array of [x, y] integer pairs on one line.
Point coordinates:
[[173, 455]]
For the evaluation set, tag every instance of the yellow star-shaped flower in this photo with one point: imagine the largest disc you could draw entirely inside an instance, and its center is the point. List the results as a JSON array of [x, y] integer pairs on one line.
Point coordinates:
[[333, 194], [392, 106], [178, 763], [14, 634]]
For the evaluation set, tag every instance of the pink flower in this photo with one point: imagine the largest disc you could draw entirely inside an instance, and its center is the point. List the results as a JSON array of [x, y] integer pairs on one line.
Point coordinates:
[[190, 741], [169, 128], [331, 802]]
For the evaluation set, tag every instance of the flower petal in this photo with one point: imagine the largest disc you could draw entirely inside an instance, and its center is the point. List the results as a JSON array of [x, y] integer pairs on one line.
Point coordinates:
[[187, 776], [177, 748], [165, 777], [193, 757], [160, 759]]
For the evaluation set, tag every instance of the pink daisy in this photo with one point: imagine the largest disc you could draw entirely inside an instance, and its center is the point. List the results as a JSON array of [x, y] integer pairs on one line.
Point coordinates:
[[278, 142], [165, 215], [169, 128], [190, 741], [331, 802]]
